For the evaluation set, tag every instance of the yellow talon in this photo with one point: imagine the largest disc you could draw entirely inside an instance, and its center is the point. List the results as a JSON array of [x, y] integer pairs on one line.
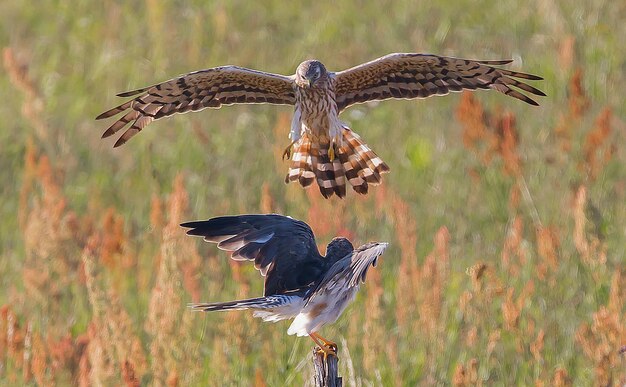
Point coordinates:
[[326, 346], [336, 141], [326, 342], [327, 351]]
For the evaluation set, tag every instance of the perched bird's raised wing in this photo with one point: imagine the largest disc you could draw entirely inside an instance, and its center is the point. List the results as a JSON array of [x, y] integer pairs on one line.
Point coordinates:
[[362, 258], [282, 248], [351, 270], [408, 76], [212, 88]]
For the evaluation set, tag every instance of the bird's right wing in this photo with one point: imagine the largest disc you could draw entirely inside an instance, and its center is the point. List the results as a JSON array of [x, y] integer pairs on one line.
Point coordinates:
[[412, 75], [283, 249], [198, 90]]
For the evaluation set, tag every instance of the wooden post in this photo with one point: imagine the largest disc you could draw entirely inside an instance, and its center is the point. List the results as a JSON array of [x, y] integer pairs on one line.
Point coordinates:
[[326, 373]]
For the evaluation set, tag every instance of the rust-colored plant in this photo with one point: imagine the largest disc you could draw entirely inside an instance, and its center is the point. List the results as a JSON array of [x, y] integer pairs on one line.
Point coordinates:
[[167, 322], [590, 247], [597, 150], [466, 374], [602, 339]]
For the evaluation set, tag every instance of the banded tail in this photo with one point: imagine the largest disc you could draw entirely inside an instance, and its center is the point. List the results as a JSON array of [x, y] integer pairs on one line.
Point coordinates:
[[354, 162], [269, 308]]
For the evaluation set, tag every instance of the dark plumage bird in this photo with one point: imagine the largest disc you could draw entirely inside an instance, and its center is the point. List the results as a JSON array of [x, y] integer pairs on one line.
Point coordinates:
[[300, 283]]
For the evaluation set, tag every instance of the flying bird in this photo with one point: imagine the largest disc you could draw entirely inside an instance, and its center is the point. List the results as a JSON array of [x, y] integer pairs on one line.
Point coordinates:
[[322, 148], [300, 283]]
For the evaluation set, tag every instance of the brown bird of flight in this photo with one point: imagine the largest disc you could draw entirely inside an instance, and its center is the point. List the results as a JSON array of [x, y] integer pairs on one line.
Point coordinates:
[[324, 149]]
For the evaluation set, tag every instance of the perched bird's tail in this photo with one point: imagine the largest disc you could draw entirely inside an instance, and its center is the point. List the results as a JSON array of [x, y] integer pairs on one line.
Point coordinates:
[[269, 308], [354, 162]]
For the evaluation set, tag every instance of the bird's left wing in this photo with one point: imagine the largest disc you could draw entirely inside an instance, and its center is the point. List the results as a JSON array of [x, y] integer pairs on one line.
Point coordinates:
[[352, 269], [408, 76], [198, 90], [362, 258], [283, 249]]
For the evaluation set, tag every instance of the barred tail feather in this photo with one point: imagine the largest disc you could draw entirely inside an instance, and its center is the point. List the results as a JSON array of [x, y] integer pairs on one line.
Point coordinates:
[[230, 305], [269, 308], [355, 163], [330, 176], [300, 169]]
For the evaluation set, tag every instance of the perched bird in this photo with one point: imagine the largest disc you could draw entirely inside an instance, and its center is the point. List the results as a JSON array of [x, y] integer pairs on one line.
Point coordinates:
[[300, 283], [324, 148]]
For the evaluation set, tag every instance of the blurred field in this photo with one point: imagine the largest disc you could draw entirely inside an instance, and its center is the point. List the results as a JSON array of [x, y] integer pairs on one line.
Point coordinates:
[[507, 223]]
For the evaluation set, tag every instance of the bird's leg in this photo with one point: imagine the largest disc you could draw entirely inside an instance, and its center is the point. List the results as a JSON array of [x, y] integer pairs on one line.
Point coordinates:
[[326, 342], [287, 152], [327, 350], [335, 141]]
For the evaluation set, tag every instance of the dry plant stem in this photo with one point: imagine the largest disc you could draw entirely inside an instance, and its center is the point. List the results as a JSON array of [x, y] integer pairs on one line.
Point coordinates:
[[326, 370], [529, 202]]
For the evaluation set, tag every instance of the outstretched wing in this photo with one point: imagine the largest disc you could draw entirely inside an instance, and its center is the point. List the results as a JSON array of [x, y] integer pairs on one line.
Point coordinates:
[[196, 91], [362, 258], [349, 271], [410, 76], [282, 248]]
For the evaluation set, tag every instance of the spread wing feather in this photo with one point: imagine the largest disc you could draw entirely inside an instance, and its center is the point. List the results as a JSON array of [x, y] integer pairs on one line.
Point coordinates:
[[408, 76], [198, 90], [351, 270], [283, 249], [362, 258]]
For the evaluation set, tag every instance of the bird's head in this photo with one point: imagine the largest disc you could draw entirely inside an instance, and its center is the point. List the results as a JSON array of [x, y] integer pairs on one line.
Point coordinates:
[[338, 248], [309, 73]]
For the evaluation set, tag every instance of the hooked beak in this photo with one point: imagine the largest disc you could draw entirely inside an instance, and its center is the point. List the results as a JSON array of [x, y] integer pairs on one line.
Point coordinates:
[[307, 82]]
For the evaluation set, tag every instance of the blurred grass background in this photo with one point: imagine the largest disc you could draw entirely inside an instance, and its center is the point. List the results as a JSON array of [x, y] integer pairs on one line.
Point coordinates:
[[506, 222]]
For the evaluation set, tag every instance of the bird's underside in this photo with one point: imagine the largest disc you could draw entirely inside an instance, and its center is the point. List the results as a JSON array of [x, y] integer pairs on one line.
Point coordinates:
[[323, 148], [300, 283]]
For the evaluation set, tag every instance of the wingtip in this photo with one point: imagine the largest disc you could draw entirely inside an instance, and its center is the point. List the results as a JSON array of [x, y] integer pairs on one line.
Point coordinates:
[[102, 116], [131, 93], [110, 113], [194, 223], [120, 141], [379, 247], [125, 94], [383, 246], [496, 62], [190, 226], [107, 133]]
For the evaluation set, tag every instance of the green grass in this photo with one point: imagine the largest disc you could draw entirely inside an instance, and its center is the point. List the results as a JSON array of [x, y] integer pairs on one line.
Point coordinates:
[[80, 54]]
